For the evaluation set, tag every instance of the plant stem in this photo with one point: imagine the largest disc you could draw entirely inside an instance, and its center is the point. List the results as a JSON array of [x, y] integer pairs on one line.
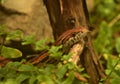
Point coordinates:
[[111, 71]]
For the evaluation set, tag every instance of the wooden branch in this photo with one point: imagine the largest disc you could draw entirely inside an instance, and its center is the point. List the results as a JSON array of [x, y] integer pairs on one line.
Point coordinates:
[[90, 61]]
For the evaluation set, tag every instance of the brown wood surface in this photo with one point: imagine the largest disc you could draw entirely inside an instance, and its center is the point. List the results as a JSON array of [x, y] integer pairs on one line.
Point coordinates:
[[65, 14]]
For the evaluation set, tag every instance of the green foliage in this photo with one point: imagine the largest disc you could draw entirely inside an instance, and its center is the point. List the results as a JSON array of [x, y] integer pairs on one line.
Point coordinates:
[[38, 44], [8, 52], [70, 78], [105, 9], [103, 43], [117, 46], [107, 44], [54, 51], [66, 57], [113, 69], [2, 30], [16, 72], [28, 40], [14, 35], [41, 44], [19, 72]]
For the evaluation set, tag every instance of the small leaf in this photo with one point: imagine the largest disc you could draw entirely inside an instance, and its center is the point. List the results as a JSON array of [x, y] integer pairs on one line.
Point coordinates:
[[41, 45], [14, 35], [61, 71], [29, 67], [21, 78], [54, 51], [9, 52], [2, 30], [80, 69], [66, 57], [14, 65], [115, 80], [44, 79], [55, 48], [103, 42], [32, 79], [10, 81], [71, 65], [28, 40], [117, 45], [48, 70], [70, 78]]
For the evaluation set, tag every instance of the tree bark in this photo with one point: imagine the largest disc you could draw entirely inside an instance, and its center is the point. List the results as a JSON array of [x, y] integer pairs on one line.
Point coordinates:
[[67, 14]]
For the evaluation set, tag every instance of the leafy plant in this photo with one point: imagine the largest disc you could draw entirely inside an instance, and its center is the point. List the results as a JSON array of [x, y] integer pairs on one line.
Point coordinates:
[[20, 72], [107, 44], [9, 52]]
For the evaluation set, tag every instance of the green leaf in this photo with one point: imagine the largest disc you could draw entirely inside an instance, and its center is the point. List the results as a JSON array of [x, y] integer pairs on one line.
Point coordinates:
[[14, 65], [107, 71], [103, 42], [32, 79], [10, 81], [80, 69], [117, 45], [48, 70], [115, 80], [2, 30], [110, 62], [21, 78], [41, 45], [70, 78], [71, 65], [43, 79], [9, 52], [66, 57], [9, 71], [28, 40], [14, 35], [55, 48], [28, 67], [61, 71], [54, 51]]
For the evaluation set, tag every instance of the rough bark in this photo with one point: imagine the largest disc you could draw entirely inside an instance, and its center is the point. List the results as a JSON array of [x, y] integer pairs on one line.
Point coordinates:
[[65, 14]]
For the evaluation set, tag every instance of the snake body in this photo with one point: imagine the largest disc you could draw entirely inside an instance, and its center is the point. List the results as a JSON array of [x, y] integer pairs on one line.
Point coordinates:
[[67, 39], [71, 37]]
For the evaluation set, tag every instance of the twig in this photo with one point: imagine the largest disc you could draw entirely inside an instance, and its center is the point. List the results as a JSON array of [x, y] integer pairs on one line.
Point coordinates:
[[111, 71], [114, 20]]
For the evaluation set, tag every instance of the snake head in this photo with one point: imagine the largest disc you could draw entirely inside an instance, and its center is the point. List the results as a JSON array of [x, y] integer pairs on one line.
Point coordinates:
[[80, 32]]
